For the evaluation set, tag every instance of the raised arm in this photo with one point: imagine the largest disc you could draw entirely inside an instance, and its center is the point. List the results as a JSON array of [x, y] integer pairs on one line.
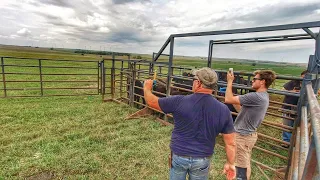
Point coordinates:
[[151, 99], [229, 97]]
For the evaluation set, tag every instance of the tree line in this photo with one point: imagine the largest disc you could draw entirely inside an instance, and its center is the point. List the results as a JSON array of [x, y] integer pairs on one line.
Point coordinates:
[[81, 51]]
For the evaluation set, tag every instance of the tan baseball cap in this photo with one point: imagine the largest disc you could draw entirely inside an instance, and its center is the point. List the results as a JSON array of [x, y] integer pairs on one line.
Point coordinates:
[[207, 76]]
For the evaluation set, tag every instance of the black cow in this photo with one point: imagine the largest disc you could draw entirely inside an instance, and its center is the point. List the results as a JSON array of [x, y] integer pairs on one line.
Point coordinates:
[[161, 87], [182, 83], [138, 91]]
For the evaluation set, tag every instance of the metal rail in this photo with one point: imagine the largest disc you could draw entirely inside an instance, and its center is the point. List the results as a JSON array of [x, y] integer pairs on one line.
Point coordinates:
[[19, 77]]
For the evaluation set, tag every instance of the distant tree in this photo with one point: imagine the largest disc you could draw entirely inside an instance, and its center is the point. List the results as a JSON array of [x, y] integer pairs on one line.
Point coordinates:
[[254, 64]]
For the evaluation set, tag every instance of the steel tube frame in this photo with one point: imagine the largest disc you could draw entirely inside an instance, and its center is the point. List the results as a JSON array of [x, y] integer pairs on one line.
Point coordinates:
[[263, 39], [304, 144], [52, 74], [24, 89], [112, 83], [98, 78], [46, 59], [40, 73], [315, 119], [252, 30], [27, 96], [53, 67], [295, 167], [240, 31], [62, 81], [170, 66], [3, 77]]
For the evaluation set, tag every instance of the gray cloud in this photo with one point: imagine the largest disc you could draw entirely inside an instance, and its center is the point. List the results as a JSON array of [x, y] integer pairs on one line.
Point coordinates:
[[129, 1], [280, 13], [128, 36], [72, 39], [82, 9], [61, 3], [121, 36], [130, 26], [49, 17], [272, 14], [143, 25]]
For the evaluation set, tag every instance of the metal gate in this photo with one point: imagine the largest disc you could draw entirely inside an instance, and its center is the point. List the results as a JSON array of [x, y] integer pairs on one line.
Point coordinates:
[[29, 77]]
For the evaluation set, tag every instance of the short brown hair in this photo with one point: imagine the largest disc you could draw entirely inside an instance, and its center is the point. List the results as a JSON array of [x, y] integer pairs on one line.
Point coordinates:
[[267, 75], [304, 72]]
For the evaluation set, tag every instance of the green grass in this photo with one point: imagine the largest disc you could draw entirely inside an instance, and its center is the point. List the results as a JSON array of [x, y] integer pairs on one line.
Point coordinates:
[[83, 138], [290, 70]]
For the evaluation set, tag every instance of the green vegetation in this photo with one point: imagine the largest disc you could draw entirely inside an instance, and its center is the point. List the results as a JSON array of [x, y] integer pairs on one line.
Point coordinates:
[[100, 52], [83, 138], [238, 65]]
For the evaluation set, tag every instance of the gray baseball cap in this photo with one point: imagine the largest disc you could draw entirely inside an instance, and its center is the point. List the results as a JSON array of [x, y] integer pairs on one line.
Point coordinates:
[[207, 76]]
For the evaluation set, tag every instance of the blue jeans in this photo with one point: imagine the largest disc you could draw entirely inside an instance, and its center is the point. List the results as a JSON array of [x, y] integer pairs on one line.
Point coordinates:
[[196, 168], [286, 136]]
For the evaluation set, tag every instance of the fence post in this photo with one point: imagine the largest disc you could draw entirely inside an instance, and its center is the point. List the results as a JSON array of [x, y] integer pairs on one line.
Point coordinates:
[[132, 84], [98, 80], [121, 78], [210, 54], [151, 67], [139, 68], [103, 80], [112, 76], [170, 66], [40, 72], [3, 78], [316, 69]]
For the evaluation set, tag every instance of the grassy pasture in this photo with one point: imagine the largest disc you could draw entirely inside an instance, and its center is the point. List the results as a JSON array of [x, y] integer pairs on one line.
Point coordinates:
[[83, 138]]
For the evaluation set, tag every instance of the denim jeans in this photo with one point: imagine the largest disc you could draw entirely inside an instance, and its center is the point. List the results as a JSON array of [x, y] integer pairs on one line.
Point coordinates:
[[286, 136], [196, 168]]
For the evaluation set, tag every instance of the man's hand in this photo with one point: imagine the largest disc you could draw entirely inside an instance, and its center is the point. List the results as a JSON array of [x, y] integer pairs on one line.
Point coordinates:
[[230, 77], [151, 99], [148, 84], [230, 171]]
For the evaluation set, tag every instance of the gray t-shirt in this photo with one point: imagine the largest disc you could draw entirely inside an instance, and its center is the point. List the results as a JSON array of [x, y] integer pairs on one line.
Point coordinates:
[[254, 107]]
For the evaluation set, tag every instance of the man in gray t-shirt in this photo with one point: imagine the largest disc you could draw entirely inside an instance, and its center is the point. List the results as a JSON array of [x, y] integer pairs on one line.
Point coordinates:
[[254, 106], [253, 109]]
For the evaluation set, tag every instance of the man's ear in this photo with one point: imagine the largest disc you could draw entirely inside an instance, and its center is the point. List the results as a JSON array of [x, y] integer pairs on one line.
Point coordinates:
[[200, 84]]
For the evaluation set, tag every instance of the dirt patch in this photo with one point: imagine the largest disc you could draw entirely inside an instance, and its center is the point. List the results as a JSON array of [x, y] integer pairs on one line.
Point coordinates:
[[42, 176]]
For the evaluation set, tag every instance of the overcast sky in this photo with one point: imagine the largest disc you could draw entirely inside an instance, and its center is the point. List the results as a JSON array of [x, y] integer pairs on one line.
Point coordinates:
[[142, 26]]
